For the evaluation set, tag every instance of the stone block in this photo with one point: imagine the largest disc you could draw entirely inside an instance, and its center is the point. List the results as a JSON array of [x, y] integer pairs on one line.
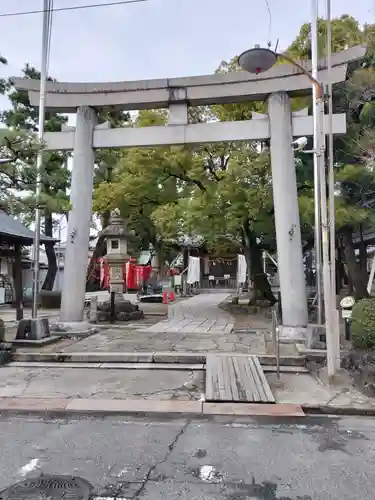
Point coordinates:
[[314, 334], [93, 312], [292, 334], [133, 406], [281, 410], [33, 329], [35, 343], [111, 357], [181, 357], [33, 404]]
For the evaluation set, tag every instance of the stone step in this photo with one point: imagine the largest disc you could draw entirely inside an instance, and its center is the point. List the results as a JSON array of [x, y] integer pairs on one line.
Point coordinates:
[[109, 366], [142, 357], [109, 357]]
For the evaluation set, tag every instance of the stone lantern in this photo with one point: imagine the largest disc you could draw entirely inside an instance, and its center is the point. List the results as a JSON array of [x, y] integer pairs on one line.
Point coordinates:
[[117, 238]]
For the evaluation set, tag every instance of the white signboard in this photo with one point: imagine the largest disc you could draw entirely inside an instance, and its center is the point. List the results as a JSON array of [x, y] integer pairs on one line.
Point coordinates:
[[211, 278], [347, 302], [227, 276], [346, 313]]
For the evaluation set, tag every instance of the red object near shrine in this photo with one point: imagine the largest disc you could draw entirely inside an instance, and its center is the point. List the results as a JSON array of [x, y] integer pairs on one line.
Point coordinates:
[[135, 275]]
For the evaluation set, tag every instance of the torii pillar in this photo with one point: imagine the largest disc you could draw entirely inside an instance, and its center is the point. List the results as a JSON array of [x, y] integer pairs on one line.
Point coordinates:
[[287, 221], [79, 221]]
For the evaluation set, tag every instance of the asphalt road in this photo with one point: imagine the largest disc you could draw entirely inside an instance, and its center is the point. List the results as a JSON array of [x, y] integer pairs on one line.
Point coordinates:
[[314, 458]]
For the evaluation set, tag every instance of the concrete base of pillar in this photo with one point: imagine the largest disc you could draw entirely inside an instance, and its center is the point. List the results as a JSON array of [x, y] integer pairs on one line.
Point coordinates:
[[74, 328], [315, 337], [311, 336], [33, 329], [292, 334]]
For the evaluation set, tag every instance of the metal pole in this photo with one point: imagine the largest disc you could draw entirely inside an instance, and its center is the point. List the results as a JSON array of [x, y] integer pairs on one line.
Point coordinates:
[[58, 258], [317, 222], [331, 174], [39, 164], [331, 347], [371, 277], [331, 191]]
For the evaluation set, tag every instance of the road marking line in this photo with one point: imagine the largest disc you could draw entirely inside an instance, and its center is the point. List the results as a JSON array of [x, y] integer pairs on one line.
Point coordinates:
[[29, 467]]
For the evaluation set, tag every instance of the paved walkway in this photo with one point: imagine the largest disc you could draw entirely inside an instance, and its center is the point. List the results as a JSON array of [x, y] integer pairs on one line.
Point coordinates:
[[196, 325], [198, 314], [92, 383]]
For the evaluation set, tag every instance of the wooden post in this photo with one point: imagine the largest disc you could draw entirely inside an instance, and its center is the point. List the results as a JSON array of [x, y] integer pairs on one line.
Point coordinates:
[[17, 275], [113, 307]]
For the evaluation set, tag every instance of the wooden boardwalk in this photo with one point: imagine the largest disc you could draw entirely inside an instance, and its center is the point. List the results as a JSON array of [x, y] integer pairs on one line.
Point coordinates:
[[236, 378]]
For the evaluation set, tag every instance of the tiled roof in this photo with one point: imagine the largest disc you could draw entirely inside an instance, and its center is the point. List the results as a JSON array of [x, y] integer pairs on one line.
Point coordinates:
[[14, 229]]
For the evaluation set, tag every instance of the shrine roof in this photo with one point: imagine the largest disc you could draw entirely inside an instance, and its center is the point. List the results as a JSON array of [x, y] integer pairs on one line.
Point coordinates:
[[13, 230]]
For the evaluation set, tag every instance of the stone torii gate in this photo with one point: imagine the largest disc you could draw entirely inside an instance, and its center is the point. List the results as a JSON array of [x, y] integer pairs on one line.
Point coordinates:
[[277, 86]]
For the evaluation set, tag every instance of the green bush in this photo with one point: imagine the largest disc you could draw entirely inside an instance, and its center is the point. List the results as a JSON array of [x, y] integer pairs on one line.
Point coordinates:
[[363, 324]]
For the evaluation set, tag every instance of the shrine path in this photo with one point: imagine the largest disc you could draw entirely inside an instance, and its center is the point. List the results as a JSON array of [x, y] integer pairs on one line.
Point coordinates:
[[196, 324]]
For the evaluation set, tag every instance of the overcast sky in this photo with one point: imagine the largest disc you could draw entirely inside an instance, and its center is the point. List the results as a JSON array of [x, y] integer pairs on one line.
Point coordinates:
[[153, 39], [157, 38]]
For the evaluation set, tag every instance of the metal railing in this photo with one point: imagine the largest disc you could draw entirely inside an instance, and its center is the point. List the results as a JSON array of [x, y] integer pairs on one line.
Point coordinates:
[[276, 340]]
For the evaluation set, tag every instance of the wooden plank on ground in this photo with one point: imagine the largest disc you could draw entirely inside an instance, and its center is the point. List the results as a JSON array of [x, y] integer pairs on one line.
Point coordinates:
[[269, 397], [236, 378], [211, 378]]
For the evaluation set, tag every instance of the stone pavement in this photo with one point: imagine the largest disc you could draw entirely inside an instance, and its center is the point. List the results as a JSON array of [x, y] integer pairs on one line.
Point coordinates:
[[196, 324], [198, 314], [94, 383], [312, 391]]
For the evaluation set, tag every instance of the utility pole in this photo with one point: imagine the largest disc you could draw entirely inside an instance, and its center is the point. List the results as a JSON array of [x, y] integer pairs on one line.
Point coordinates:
[[317, 217], [39, 164], [331, 190], [319, 158]]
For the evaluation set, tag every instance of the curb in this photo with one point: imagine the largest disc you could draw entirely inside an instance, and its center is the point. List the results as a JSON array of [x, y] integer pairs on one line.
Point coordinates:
[[140, 366], [338, 410], [110, 366], [106, 407], [143, 357]]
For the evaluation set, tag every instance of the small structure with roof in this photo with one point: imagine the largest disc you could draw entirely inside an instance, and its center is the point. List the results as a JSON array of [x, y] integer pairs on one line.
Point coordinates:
[[13, 236]]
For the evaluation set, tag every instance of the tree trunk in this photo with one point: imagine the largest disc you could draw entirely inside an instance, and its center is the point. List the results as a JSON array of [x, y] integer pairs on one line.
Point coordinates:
[[356, 275], [50, 253], [341, 277], [362, 253], [92, 278], [247, 253], [262, 286], [253, 255]]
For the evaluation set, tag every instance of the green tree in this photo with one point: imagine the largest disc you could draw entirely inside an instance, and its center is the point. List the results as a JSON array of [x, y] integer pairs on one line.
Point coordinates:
[[354, 151], [55, 175], [105, 162], [141, 180], [3, 61]]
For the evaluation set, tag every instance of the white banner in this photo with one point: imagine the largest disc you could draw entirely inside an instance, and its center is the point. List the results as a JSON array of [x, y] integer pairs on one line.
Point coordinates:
[[194, 270], [241, 269]]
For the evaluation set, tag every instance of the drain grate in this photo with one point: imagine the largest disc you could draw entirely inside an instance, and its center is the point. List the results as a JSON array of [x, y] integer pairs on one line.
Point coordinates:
[[49, 487]]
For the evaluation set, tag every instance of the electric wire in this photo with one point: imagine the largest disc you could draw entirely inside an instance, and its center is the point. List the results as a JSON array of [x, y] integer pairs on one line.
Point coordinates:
[[269, 23], [73, 7]]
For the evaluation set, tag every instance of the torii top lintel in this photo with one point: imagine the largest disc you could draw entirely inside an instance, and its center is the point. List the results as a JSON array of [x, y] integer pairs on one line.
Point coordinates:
[[220, 88]]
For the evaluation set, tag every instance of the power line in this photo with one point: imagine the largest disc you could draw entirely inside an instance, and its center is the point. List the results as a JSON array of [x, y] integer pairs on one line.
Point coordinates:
[[74, 7], [269, 22]]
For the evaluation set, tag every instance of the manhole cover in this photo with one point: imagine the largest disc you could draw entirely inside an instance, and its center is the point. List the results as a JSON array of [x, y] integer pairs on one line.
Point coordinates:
[[49, 487]]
